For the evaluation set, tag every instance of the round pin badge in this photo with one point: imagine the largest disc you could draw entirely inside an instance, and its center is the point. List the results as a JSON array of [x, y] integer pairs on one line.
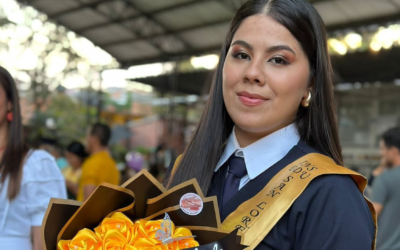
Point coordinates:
[[191, 204]]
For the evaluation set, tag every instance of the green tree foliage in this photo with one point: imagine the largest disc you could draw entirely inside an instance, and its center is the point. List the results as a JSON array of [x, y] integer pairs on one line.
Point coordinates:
[[61, 118]]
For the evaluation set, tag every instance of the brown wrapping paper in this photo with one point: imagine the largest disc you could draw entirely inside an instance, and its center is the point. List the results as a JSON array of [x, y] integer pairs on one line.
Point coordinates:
[[141, 197]]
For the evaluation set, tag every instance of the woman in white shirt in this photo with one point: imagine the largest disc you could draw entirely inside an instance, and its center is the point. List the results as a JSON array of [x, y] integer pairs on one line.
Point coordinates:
[[28, 179]]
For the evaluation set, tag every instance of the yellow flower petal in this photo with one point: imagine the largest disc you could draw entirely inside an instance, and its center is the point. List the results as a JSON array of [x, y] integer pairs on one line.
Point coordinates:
[[118, 221], [186, 243], [149, 244], [148, 229], [115, 240], [84, 240]]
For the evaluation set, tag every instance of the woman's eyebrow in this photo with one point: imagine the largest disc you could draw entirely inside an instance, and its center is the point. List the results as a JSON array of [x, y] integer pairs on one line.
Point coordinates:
[[243, 43], [269, 50], [278, 48]]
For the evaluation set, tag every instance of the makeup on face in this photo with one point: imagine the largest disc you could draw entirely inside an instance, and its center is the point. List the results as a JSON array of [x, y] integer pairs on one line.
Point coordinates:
[[265, 76]]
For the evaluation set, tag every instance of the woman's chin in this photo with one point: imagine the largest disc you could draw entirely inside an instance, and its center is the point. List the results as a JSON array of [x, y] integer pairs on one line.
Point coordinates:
[[250, 126], [257, 127]]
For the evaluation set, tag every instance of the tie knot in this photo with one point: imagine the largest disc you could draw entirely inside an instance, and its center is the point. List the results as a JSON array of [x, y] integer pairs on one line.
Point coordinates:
[[237, 166]]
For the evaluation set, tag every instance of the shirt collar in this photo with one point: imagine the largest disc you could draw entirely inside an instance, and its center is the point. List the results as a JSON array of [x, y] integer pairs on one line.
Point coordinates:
[[262, 154]]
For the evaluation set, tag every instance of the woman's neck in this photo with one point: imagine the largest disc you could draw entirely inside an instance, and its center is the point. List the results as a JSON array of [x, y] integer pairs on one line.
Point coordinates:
[[245, 138]]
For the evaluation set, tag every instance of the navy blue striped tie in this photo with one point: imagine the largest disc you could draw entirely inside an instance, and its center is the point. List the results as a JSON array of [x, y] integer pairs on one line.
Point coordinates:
[[236, 170]]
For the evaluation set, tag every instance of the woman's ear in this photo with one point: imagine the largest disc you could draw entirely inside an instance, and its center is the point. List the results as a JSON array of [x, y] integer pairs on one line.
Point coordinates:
[[311, 83], [9, 106], [305, 101], [306, 98], [310, 86], [306, 93]]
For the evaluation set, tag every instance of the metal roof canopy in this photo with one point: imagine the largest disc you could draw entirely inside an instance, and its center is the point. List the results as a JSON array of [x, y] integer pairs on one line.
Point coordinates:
[[146, 31], [367, 66], [196, 83]]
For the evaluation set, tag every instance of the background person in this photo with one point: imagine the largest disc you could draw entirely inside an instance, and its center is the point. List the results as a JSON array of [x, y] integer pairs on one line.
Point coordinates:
[[385, 188], [75, 154], [99, 167], [28, 178]]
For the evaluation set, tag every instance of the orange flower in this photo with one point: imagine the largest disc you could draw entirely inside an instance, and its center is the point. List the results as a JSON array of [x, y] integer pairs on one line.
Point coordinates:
[[115, 240], [186, 243], [151, 244], [148, 229], [120, 233], [119, 222], [84, 240]]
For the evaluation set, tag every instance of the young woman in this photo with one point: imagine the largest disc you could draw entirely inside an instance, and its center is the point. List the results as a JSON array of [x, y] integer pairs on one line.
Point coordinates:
[[75, 155], [28, 179], [268, 127]]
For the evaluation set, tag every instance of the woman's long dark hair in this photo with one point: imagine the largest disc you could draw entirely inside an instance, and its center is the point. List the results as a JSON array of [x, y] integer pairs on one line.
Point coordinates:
[[12, 161], [316, 124]]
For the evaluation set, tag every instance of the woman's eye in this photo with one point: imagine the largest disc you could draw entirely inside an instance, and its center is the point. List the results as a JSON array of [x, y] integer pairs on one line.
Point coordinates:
[[278, 60], [242, 56]]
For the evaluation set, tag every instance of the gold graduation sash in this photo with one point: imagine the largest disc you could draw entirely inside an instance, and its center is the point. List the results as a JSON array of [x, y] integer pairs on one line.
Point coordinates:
[[252, 218]]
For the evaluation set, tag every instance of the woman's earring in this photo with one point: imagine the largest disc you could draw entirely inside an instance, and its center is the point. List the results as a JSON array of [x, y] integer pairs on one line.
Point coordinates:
[[308, 100], [10, 116]]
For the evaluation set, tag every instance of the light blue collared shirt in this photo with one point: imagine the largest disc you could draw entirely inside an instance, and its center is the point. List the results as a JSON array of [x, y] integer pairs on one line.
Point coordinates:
[[262, 154]]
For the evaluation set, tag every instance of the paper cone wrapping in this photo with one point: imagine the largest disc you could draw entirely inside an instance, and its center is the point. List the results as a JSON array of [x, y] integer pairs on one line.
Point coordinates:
[[141, 197]]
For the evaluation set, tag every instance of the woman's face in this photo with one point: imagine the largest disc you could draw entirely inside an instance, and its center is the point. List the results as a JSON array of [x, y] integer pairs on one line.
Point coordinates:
[[73, 160], [265, 77]]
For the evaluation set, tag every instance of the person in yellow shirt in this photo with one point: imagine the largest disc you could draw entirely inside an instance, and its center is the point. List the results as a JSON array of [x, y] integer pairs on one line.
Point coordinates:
[[99, 167], [75, 154]]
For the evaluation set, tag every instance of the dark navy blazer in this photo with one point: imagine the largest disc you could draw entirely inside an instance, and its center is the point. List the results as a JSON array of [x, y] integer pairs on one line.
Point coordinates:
[[331, 214]]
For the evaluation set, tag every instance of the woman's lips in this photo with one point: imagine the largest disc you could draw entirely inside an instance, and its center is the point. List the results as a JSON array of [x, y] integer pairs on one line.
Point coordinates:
[[252, 100]]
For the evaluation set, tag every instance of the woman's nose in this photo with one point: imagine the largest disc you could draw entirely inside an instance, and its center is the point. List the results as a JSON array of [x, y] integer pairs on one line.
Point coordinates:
[[254, 73]]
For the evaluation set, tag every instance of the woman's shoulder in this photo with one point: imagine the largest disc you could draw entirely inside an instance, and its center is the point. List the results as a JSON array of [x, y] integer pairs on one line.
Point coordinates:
[[337, 182], [334, 183], [40, 166], [305, 148], [38, 154], [328, 181], [334, 191]]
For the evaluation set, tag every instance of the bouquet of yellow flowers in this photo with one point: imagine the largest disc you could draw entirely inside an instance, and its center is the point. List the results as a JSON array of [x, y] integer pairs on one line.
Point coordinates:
[[139, 215], [119, 232]]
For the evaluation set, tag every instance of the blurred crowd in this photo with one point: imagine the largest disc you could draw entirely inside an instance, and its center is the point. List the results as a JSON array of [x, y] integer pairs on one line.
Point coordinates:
[[85, 167], [30, 177]]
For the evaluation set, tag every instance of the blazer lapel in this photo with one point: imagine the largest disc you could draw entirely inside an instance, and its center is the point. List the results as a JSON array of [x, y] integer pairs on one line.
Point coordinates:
[[217, 184]]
